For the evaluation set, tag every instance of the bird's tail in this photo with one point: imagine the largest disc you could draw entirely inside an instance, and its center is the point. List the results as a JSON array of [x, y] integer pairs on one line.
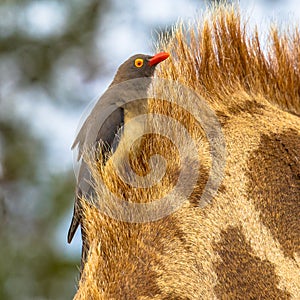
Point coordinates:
[[74, 224]]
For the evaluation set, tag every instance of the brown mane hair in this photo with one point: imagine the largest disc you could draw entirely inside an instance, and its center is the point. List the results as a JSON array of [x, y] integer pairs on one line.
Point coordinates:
[[222, 57]]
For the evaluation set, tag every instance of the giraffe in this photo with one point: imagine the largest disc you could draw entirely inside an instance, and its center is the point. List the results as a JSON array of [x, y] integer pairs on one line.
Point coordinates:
[[245, 242]]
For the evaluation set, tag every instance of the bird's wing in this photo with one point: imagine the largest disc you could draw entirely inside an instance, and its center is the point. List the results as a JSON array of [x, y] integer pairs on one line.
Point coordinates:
[[102, 124], [106, 133]]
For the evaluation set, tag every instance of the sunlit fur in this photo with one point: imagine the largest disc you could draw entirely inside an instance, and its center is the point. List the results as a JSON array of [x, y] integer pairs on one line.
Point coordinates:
[[246, 243]]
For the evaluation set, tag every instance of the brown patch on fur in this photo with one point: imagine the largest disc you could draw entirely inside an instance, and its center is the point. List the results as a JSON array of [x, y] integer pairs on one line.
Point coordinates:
[[222, 117], [222, 189], [274, 187], [198, 190], [250, 107], [241, 274]]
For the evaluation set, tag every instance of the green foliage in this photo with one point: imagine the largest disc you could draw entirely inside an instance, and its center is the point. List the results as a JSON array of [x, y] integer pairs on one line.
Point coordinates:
[[19, 147], [34, 199]]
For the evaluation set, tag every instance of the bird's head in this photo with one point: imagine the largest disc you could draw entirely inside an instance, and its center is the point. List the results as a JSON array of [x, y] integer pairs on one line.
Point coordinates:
[[139, 65]]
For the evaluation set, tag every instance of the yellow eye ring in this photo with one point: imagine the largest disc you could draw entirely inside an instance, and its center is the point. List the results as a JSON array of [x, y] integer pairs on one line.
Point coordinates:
[[139, 62]]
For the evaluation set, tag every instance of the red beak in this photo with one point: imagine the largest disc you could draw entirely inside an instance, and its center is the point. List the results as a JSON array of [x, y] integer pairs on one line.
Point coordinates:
[[157, 58]]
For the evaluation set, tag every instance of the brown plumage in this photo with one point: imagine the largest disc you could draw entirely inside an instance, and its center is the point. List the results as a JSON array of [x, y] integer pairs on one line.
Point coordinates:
[[246, 244], [106, 119]]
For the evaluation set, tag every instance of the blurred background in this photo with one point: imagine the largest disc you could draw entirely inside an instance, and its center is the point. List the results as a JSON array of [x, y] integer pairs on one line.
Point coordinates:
[[55, 58]]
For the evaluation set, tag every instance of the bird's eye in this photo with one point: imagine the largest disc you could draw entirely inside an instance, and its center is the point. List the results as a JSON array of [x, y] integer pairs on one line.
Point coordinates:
[[139, 62]]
